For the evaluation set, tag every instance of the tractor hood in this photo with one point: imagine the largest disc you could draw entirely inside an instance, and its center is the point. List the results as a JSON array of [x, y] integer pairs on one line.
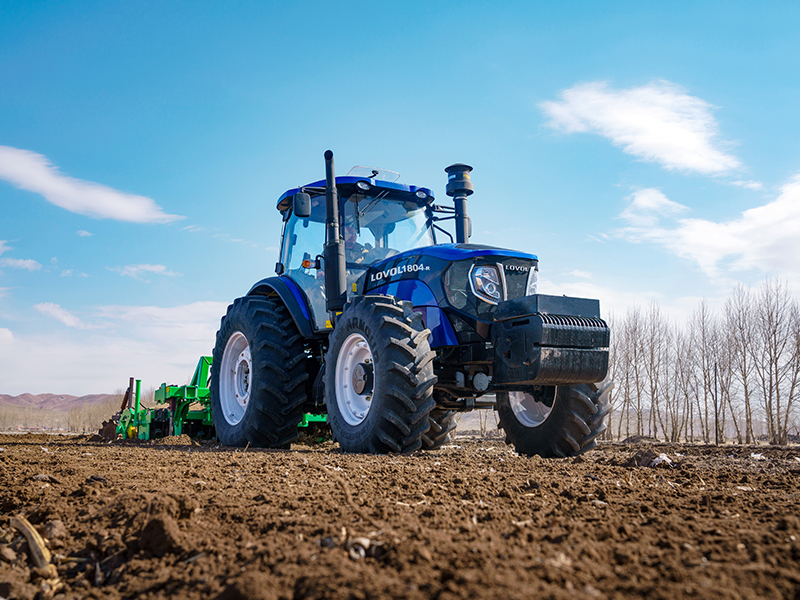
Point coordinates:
[[467, 281], [431, 262]]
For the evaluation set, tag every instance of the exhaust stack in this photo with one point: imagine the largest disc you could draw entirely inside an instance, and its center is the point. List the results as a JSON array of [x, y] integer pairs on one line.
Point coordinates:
[[333, 254]]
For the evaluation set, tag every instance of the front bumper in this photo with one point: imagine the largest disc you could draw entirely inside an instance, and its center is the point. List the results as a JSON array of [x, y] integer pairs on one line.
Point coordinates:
[[549, 340]]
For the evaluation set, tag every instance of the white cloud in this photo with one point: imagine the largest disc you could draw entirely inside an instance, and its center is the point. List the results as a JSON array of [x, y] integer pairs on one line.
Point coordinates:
[[763, 238], [27, 264], [3, 291], [658, 122], [647, 205], [62, 315], [138, 271], [4, 247], [191, 322], [582, 274], [66, 273], [750, 185], [600, 237], [34, 173], [150, 343], [83, 233]]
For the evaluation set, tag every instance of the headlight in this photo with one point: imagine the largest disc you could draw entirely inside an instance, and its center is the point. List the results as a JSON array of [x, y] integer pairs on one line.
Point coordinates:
[[486, 284], [533, 281]]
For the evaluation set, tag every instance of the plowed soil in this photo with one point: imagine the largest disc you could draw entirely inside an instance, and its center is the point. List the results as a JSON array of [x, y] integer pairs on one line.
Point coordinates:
[[176, 519]]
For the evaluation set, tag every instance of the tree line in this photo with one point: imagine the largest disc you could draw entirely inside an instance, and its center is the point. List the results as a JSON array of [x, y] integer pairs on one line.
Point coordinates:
[[725, 375]]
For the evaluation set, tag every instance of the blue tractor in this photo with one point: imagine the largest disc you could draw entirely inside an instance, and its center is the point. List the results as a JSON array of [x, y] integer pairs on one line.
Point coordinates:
[[375, 323]]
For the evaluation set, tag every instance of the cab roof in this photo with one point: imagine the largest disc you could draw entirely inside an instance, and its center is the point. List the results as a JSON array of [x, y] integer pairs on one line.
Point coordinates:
[[348, 185]]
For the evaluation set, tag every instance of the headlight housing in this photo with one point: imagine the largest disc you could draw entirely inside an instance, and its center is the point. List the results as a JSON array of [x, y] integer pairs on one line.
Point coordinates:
[[487, 283], [533, 281]]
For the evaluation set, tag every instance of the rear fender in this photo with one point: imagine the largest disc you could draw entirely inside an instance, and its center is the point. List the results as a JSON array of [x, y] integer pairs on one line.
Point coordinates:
[[292, 297]]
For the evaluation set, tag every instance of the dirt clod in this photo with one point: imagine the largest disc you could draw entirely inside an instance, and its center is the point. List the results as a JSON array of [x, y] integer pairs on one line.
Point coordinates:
[[7, 554], [54, 529], [161, 535], [250, 586]]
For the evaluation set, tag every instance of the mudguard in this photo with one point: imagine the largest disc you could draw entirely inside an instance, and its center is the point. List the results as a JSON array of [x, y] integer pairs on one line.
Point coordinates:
[[293, 298], [420, 295]]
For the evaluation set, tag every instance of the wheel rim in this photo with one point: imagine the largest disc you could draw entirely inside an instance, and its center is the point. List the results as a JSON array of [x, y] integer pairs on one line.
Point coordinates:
[[528, 410], [354, 379], [235, 378]]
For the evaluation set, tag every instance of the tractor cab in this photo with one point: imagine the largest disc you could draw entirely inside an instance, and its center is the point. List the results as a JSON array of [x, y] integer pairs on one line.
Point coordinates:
[[379, 219]]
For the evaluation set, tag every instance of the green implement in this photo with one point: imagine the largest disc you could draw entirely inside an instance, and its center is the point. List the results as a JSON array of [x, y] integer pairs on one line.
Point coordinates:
[[134, 422], [179, 409], [180, 399]]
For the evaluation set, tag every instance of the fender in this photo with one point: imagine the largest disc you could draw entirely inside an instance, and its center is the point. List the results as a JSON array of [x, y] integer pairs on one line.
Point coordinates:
[[292, 297], [424, 301]]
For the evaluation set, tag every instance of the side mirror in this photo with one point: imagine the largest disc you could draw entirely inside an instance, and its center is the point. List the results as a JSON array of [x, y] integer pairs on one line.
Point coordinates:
[[301, 205]]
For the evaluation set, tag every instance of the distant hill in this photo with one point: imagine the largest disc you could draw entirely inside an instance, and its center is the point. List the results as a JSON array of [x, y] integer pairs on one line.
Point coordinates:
[[55, 402]]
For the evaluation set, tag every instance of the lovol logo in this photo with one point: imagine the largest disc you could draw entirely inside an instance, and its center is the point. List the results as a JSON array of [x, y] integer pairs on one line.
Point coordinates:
[[398, 270], [523, 268]]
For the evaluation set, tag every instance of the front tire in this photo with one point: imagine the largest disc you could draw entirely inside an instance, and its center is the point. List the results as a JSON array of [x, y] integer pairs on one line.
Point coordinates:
[[379, 377], [566, 424], [258, 375]]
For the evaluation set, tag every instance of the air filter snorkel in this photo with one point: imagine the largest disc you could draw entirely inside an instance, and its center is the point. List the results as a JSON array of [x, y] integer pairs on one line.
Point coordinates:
[[459, 186]]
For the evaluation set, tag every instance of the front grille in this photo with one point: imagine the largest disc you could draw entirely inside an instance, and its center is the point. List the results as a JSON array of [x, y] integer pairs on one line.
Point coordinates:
[[570, 321], [570, 331]]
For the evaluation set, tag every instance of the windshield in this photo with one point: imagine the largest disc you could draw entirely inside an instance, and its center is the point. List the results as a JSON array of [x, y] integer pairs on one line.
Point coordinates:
[[373, 229]]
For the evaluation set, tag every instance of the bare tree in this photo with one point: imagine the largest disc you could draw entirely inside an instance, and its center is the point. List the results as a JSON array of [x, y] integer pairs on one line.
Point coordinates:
[[633, 333], [701, 327], [724, 363], [622, 369], [774, 356], [655, 341], [740, 322], [613, 374], [678, 405], [792, 369]]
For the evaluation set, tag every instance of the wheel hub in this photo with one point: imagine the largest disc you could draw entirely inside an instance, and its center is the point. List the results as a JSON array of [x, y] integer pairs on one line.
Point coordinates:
[[528, 410], [362, 378]]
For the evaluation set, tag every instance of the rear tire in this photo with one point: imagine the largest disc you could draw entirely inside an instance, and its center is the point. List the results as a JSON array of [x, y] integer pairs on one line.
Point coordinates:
[[258, 375], [443, 423], [567, 428], [379, 377]]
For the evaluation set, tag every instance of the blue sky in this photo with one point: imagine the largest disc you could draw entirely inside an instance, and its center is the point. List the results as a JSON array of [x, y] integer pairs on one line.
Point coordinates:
[[642, 150]]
